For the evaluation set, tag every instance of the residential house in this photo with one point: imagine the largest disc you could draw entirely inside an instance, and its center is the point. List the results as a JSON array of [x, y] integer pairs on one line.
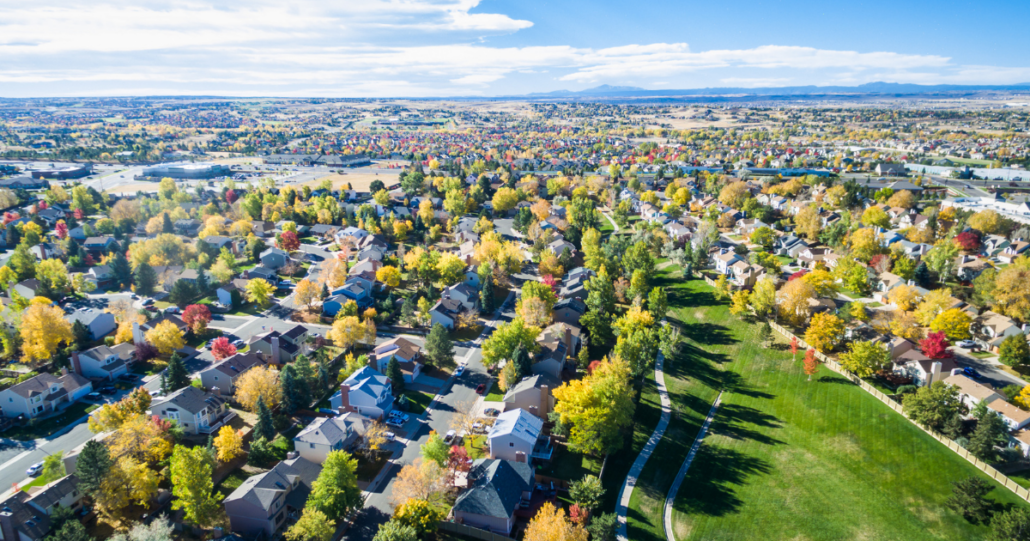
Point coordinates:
[[187, 227], [446, 312], [27, 288], [559, 246], [968, 267], [922, 370], [970, 392], [99, 324], [355, 289], [466, 295], [516, 436], [224, 374], [990, 329], [274, 258], [281, 348], [557, 343], [327, 434], [533, 394], [236, 246], [1015, 418], [103, 362], [569, 310], [1014, 250], [26, 517], [366, 267], [367, 392], [42, 394], [99, 245], [47, 250], [725, 260], [101, 276], [197, 411], [260, 506], [262, 272], [496, 489], [407, 353]]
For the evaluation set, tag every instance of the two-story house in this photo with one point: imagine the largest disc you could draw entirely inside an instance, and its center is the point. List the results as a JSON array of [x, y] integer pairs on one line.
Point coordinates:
[[103, 362], [197, 411], [224, 374], [516, 436], [42, 394], [260, 506], [281, 348], [367, 392], [407, 353], [496, 489], [327, 434], [274, 258]]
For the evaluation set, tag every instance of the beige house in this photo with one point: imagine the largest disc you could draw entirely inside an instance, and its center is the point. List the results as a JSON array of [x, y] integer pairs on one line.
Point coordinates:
[[533, 394], [970, 392], [326, 434], [197, 411]]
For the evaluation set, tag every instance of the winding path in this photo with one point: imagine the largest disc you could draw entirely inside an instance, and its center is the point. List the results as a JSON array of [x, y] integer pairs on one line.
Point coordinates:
[[683, 469], [626, 492]]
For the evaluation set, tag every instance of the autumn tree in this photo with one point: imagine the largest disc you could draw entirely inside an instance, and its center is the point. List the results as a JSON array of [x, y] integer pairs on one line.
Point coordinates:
[[221, 348], [347, 331], [904, 297], [193, 486], [763, 297], [903, 199], [166, 337], [740, 303], [825, 331], [954, 323], [260, 292], [935, 346], [811, 364], [933, 303], [550, 524], [986, 221], [421, 480], [597, 407], [313, 525], [197, 317], [43, 329], [127, 481], [112, 416], [389, 275], [793, 301], [421, 515], [1010, 295], [1014, 350], [502, 342], [229, 443], [865, 358], [260, 382], [875, 217]]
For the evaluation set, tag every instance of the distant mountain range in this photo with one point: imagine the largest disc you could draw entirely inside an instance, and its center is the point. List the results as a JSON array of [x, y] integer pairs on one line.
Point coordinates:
[[891, 89]]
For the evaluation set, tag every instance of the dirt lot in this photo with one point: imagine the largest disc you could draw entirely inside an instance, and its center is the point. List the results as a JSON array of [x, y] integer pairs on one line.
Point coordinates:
[[358, 181]]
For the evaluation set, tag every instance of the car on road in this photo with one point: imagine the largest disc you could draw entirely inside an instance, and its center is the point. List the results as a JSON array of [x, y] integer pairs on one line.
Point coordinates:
[[968, 344], [971, 372], [491, 412], [34, 469], [481, 389], [460, 370], [94, 396], [154, 393], [108, 390]]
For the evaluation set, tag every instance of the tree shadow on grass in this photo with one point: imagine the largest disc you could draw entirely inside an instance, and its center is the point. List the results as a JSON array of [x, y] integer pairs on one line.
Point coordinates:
[[693, 363], [709, 488], [734, 421], [834, 378], [709, 334]]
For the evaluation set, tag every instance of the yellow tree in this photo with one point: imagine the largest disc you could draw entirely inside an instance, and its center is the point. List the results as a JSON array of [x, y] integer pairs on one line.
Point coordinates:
[[426, 212], [734, 194], [825, 332], [875, 217], [793, 300], [391, 276], [346, 332], [904, 297], [142, 438], [822, 282], [127, 481], [313, 525], [541, 209], [904, 199], [740, 305], [43, 328], [229, 443], [450, 268], [1011, 294], [986, 221], [505, 199], [598, 407], [954, 323], [808, 222], [549, 265], [166, 337], [421, 480], [904, 324], [259, 383], [866, 243], [112, 416], [933, 303], [307, 292], [260, 292], [551, 524]]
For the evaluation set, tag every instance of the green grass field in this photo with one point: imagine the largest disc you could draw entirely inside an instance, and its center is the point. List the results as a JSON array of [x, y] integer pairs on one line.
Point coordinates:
[[786, 458]]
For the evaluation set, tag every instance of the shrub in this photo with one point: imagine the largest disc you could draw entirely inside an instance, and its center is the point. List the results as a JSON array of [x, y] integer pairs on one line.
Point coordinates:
[[905, 389]]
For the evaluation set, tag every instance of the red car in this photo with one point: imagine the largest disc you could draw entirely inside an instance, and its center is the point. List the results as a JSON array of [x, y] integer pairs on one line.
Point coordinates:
[[481, 389]]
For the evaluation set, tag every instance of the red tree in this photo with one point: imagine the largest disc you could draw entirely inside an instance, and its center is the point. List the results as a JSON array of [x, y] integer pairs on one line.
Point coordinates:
[[288, 241], [811, 364], [89, 260], [197, 316], [592, 366], [935, 346], [794, 347], [43, 205], [222, 349], [230, 196], [10, 217], [967, 240], [145, 351], [550, 281], [61, 230], [880, 263], [798, 274], [78, 214], [577, 514]]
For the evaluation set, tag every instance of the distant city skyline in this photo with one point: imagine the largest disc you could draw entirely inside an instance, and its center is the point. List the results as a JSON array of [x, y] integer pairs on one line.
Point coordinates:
[[438, 48]]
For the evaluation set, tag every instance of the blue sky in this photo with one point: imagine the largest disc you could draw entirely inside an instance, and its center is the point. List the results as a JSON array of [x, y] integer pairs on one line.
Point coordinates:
[[397, 48]]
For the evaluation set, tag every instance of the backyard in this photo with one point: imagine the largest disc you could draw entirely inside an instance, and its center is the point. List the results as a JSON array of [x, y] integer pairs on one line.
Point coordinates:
[[782, 450]]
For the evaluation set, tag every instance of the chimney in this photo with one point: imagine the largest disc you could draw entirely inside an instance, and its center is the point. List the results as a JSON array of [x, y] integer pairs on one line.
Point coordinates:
[[76, 364], [545, 401], [344, 398], [292, 455], [935, 372], [568, 340], [216, 391], [64, 371], [275, 350], [520, 456]]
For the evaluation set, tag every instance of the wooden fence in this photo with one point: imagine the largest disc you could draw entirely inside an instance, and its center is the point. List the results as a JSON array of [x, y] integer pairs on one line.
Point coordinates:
[[991, 472], [474, 533]]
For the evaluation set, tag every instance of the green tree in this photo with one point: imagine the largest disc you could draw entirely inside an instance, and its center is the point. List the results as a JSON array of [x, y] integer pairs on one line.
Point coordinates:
[[53, 467], [335, 492], [23, 262], [509, 336], [394, 530], [587, 492], [291, 389], [145, 279], [393, 371], [932, 406], [1014, 350], [264, 427], [990, 431], [658, 303], [193, 486], [603, 527], [598, 407], [177, 375], [436, 450], [92, 466], [968, 498], [313, 525], [1011, 525], [439, 347], [121, 270], [865, 358]]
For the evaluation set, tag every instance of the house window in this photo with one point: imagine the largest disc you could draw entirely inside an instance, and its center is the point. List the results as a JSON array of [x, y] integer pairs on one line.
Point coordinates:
[[511, 444], [312, 445]]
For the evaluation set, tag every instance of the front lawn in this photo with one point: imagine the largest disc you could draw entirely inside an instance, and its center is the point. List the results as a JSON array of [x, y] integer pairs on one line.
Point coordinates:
[[477, 446], [783, 451], [149, 368], [368, 469], [418, 401], [495, 394], [461, 335], [42, 429]]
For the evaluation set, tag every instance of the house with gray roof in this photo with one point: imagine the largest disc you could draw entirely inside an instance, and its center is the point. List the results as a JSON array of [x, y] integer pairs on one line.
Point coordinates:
[[260, 506], [44, 393], [327, 434], [99, 323], [197, 411], [533, 394], [515, 436], [496, 487], [102, 362], [223, 375], [26, 517]]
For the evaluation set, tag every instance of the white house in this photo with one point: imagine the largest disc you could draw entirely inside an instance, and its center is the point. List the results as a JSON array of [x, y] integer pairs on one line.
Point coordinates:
[[515, 436], [970, 392], [1014, 417], [42, 394]]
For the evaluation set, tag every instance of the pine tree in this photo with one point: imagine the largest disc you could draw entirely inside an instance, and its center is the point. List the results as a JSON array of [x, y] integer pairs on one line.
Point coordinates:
[[13, 236], [92, 465], [523, 362], [203, 284], [145, 279], [176, 375], [393, 371], [81, 333], [166, 224], [922, 275], [264, 427], [486, 299], [325, 291], [288, 381], [121, 270], [408, 310], [164, 384], [439, 347], [183, 291]]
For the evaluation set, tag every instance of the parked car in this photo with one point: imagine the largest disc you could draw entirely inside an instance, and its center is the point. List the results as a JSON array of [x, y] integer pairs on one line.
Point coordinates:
[[128, 377], [491, 412], [971, 372], [238, 344], [172, 310], [481, 389], [449, 437], [968, 344], [460, 370], [94, 396], [108, 390], [34, 469]]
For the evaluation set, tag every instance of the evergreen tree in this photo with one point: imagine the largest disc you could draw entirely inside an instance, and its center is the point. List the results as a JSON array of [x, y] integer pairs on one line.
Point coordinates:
[[121, 270], [486, 299], [439, 347], [393, 371], [990, 431], [81, 333], [92, 465], [523, 362], [264, 427], [176, 374], [164, 384], [288, 382], [183, 291], [408, 310], [13, 236], [146, 279], [166, 225], [203, 284], [325, 291], [922, 275], [953, 428]]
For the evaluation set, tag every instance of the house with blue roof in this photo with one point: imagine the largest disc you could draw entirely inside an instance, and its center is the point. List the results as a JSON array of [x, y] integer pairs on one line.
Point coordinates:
[[367, 392]]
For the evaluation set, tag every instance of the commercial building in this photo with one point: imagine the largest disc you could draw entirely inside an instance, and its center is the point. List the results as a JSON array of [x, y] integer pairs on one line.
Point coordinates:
[[187, 170]]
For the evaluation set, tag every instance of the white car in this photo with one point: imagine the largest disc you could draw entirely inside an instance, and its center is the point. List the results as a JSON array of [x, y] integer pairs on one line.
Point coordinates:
[[449, 437], [34, 469], [967, 344]]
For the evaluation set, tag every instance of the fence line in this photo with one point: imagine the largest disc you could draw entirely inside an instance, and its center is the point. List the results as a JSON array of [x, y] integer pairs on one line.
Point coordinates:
[[469, 531], [991, 471]]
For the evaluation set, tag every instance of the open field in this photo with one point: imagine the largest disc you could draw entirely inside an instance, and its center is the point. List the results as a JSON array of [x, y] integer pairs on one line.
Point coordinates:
[[786, 458], [358, 181]]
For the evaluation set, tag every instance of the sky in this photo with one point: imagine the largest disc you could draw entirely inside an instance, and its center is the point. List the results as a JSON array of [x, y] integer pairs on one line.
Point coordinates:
[[441, 48]]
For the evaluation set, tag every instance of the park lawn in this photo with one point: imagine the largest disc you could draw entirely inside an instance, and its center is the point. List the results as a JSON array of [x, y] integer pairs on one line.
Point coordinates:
[[783, 451]]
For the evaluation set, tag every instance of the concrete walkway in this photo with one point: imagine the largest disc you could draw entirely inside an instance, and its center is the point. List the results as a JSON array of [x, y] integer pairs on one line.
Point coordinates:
[[626, 492], [615, 225], [683, 469]]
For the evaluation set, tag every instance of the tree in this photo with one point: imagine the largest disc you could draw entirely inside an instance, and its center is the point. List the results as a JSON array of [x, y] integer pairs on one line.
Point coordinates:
[[43, 329], [289, 242], [197, 317], [1014, 350], [763, 297], [421, 480], [393, 371], [260, 292], [794, 347], [865, 358], [824, 284], [875, 217], [508, 336], [313, 525], [127, 481], [92, 465], [587, 492], [904, 297], [986, 221], [941, 258], [551, 524], [904, 199], [66, 530], [933, 303], [922, 274], [391, 276], [166, 337], [968, 499], [347, 331], [603, 527], [990, 432], [825, 332], [158, 530], [263, 429], [794, 297], [394, 530], [421, 515], [22, 261], [952, 322], [597, 407], [967, 241], [229, 443], [1011, 525], [53, 467], [221, 348], [193, 486], [933, 405], [335, 492], [935, 346], [112, 416], [259, 384], [439, 347], [740, 304], [811, 364]]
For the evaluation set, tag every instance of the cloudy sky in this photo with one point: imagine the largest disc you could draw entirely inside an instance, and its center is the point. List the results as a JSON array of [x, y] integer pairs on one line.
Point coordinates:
[[402, 48]]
